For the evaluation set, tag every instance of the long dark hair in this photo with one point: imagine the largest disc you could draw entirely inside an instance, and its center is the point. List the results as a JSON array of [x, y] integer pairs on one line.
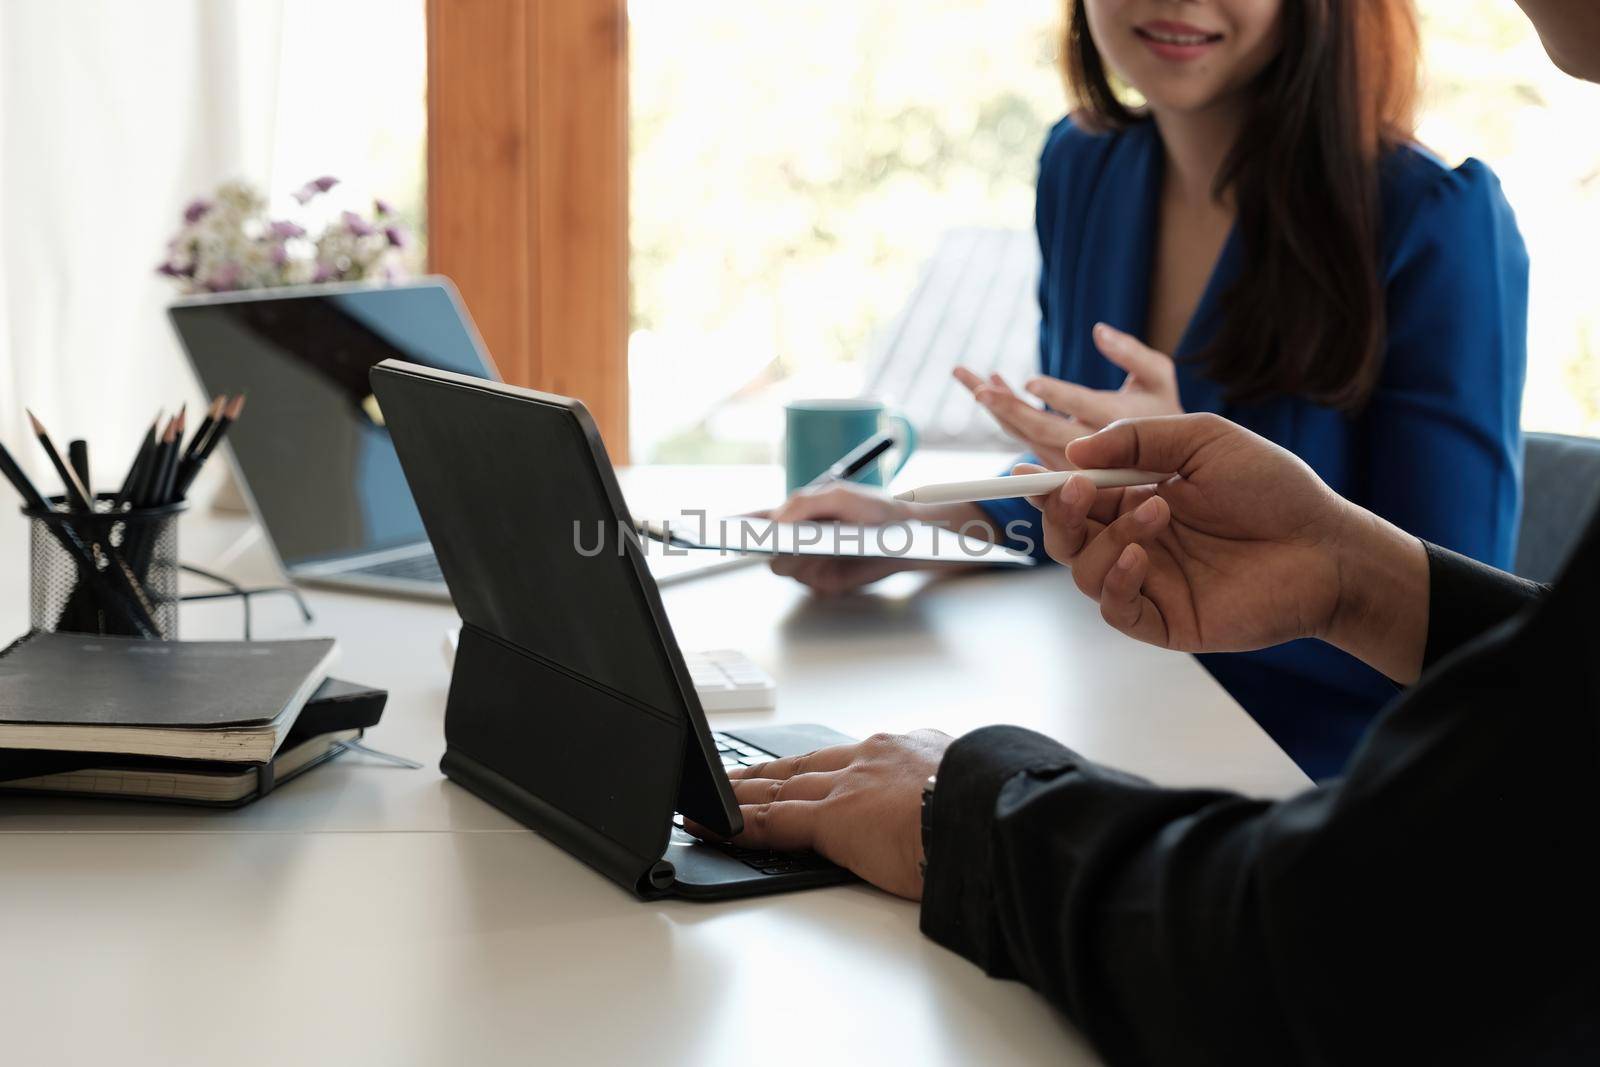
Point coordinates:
[[1307, 316]]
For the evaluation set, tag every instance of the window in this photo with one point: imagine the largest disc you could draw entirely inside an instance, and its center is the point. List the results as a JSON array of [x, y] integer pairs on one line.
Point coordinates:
[[352, 102], [1492, 93], [793, 166]]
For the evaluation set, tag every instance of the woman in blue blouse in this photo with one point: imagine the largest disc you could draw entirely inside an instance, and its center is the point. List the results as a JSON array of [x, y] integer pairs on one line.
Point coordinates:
[[1318, 278]]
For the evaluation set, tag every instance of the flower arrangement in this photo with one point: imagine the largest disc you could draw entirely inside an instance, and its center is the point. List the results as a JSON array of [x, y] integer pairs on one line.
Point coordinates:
[[231, 241]]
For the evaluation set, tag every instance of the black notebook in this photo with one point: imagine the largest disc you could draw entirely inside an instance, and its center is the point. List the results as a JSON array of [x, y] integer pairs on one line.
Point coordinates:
[[339, 713], [230, 701]]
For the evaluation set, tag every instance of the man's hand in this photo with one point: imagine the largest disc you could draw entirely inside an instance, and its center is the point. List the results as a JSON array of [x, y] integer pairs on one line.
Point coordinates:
[[1244, 548], [857, 805]]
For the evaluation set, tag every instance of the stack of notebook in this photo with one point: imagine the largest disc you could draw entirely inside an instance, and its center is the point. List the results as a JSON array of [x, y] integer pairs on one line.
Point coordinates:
[[205, 722]]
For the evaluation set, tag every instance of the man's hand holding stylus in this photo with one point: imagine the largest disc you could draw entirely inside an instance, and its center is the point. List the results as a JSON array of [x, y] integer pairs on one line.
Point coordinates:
[[1244, 548]]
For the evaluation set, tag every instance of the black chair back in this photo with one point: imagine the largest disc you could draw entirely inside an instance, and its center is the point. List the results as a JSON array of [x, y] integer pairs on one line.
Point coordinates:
[[1561, 484]]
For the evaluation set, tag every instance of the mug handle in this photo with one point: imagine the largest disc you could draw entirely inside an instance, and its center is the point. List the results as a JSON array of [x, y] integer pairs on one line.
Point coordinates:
[[907, 445]]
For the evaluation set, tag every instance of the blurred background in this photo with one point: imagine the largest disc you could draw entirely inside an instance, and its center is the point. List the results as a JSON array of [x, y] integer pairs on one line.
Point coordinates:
[[794, 169], [790, 182]]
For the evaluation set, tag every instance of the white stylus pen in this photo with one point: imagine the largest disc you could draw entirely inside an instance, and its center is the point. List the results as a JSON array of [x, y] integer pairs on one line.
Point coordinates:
[[1024, 485]]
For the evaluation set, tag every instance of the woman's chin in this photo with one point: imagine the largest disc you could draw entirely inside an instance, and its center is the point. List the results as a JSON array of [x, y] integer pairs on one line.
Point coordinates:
[[1184, 99]]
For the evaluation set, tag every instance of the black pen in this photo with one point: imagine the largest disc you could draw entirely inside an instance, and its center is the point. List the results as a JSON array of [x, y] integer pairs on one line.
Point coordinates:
[[854, 461], [78, 457]]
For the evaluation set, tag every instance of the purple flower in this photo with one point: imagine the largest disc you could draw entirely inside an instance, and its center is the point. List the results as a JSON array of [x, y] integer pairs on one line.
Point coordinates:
[[382, 207], [396, 236], [315, 186], [196, 211], [322, 273], [279, 255], [357, 225], [170, 271], [283, 229], [224, 277]]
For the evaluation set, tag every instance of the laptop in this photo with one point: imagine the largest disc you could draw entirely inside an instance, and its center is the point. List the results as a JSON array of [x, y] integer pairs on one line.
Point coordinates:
[[571, 706], [314, 458]]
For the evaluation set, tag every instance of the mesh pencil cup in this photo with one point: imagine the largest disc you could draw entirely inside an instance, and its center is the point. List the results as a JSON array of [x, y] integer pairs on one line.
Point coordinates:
[[112, 572]]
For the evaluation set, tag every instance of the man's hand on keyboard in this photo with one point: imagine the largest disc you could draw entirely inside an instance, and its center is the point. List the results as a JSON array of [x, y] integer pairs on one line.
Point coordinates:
[[858, 805]]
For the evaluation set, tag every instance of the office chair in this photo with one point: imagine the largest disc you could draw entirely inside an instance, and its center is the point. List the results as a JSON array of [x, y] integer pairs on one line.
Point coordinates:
[[1561, 484]]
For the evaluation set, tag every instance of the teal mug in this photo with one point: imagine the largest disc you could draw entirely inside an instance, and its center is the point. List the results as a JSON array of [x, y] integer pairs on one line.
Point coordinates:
[[821, 432]]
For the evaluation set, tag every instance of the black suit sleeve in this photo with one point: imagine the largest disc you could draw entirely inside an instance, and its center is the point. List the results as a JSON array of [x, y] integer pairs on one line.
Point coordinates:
[[1436, 906], [1466, 598]]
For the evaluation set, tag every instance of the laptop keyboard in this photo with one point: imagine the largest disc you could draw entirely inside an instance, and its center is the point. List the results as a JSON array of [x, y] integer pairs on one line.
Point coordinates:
[[423, 568], [736, 753]]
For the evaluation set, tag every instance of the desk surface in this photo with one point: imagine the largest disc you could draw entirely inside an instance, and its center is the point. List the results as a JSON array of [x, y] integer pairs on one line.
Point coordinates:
[[366, 913]]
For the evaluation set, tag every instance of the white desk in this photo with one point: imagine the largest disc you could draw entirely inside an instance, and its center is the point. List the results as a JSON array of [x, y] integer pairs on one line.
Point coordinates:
[[371, 914]]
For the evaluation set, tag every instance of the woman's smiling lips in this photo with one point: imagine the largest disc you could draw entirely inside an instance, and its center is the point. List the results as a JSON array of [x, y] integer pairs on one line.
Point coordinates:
[[1176, 40]]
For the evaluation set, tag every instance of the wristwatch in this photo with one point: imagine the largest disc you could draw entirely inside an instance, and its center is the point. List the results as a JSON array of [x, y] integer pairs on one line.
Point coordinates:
[[927, 823]]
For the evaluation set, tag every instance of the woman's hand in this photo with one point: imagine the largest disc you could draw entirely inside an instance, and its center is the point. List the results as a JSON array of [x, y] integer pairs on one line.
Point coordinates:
[[1150, 389], [843, 502], [1043, 433], [858, 805], [1075, 411], [861, 505], [1244, 548]]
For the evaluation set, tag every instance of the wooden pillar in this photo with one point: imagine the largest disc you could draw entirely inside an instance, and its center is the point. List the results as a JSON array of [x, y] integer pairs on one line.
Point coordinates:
[[528, 190]]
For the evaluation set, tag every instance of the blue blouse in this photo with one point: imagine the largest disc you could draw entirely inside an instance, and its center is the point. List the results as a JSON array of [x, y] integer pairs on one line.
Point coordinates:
[[1438, 449]]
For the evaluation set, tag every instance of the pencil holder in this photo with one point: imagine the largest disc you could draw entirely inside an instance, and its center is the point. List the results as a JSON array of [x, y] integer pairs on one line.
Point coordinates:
[[111, 572]]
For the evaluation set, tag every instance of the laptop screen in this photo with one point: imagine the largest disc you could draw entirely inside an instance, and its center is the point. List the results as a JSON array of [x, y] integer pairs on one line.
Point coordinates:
[[312, 444]]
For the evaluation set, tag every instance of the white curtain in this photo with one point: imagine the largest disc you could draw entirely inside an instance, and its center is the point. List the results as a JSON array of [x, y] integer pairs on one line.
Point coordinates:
[[112, 116]]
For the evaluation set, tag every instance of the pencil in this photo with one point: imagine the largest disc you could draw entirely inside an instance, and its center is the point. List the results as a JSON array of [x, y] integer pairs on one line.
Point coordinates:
[[153, 485], [229, 416], [150, 476], [140, 459], [169, 476], [156, 476], [152, 466], [213, 413], [190, 463], [77, 495], [21, 483], [70, 543]]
